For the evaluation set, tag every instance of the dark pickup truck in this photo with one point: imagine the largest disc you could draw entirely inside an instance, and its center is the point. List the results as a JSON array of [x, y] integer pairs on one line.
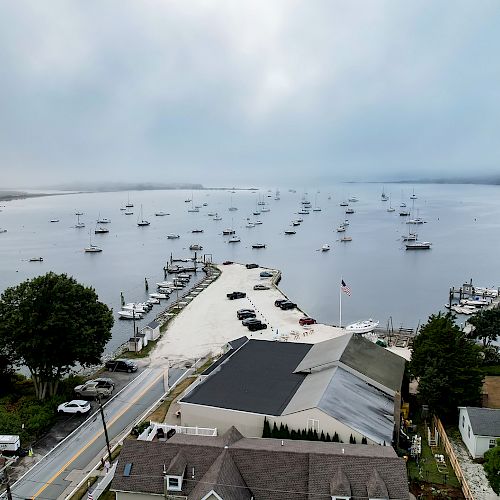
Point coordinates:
[[236, 295]]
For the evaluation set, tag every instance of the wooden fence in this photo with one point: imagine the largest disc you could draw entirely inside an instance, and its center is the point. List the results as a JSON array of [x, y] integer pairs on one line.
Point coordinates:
[[448, 448]]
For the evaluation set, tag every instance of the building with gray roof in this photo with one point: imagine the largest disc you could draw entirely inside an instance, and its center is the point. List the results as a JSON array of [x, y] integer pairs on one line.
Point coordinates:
[[480, 429], [231, 467], [346, 385]]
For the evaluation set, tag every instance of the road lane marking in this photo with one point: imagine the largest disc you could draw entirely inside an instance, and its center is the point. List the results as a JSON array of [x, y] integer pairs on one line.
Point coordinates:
[[94, 439]]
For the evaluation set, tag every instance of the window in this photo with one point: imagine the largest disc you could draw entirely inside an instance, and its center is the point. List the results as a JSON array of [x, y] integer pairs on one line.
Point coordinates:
[[468, 430], [463, 421], [493, 443], [341, 498], [313, 424], [174, 483]]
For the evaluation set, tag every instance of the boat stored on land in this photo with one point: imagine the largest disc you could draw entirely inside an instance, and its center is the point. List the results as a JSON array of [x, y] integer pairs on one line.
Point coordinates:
[[364, 326]]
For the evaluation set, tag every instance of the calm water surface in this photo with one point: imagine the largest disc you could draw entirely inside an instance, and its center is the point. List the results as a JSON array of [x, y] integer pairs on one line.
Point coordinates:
[[463, 223]]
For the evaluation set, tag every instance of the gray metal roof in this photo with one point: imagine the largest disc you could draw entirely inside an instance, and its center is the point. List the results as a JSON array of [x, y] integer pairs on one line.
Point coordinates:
[[153, 324], [258, 378], [234, 345], [484, 421], [348, 399], [324, 354]]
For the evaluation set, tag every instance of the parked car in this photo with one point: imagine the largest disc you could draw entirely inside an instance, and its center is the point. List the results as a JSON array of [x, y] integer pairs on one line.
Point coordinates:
[[307, 321], [121, 365], [266, 274], [74, 406], [278, 302], [246, 314], [246, 309], [261, 287], [252, 266], [253, 327], [227, 262], [104, 382], [92, 390], [236, 295], [287, 305], [248, 321]]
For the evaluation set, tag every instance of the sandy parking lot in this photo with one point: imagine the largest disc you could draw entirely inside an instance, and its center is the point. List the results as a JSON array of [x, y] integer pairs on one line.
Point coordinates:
[[209, 321]]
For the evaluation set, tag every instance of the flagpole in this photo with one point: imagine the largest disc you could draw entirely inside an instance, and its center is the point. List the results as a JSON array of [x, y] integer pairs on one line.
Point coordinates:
[[340, 303]]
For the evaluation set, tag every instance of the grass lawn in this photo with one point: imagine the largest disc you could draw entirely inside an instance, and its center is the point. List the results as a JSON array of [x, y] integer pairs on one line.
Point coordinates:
[[426, 470]]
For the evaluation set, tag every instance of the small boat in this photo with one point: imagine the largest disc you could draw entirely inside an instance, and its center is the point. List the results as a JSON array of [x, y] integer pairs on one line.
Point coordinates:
[[188, 200], [36, 259], [78, 213], [79, 224], [476, 302], [93, 249], [103, 220], [295, 223], [161, 214], [193, 210], [129, 213], [217, 217], [410, 237], [142, 222], [346, 238], [227, 232], [418, 245], [205, 204], [344, 204], [197, 231], [413, 196], [325, 247], [353, 199], [101, 230], [211, 214], [158, 295], [2, 230], [316, 209], [341, 228], [54, 220], [152, 300], [126, 314], [290, 232], [404, 213], [195, 247], [303, 212], [265, 209], [383, 196], [349, 211], [416, 220], [258, 245], [362, 326], [257, 222], [234, 239], [256, 212], [250, 225], [173, 236], [403, 205], [300, 220]]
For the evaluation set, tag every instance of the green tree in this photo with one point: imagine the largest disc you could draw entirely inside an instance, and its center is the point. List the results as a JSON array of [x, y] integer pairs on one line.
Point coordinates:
[[6, 374], [446, 364], [50, 324], [335, 438], [492, 467], [266, 432], [486, 325]]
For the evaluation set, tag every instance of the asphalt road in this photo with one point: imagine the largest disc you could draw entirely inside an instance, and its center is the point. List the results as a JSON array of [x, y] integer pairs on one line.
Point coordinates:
[[48, 478]]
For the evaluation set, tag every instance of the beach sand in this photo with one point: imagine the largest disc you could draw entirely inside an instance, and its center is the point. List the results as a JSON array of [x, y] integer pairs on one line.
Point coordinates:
[[209, 321]]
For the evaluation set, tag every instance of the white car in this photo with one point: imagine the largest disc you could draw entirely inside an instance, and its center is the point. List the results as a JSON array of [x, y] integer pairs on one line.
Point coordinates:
[[75, 406]]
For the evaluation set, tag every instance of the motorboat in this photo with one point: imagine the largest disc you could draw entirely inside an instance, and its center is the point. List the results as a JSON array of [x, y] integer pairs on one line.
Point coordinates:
[[101, 230], [79, 224], [303, 212], [410, 237], [234, 239], [217, 217], [36, 259], [346, 238], [295, 223], [152, 300], [256, 212], [325, 247], [476, 302], [126, 314], [265, 209], [164, 284], [129, 213], [418, 245], [257, 222], [404, 213], [258, 245], [353, 199], [54, 220], [78, 213], [194, 209], [195, 247], [205, 204], [173, 236], [135, 307], [413, 196], [161, 214], [416, 220], [211, 214], [228, 232], [103, 220], [93, 249], [158, 295], [344, 204], [197, 231], [188, 200], [341, 228], [467, 310], [349, 211], [2, 230], [363, 326], [290, 232]]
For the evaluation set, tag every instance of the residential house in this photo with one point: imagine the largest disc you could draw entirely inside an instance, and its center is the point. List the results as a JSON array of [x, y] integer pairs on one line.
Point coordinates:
[[480, 429]]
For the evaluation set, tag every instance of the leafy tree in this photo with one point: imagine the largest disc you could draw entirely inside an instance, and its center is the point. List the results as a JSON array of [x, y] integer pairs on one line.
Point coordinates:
[[328, 438], [335, 438], [492, 466], [322, 437], [6, 374], [275, 433], [486, 325], [50, 324], [446, 364], [352, 439], [364, 440]]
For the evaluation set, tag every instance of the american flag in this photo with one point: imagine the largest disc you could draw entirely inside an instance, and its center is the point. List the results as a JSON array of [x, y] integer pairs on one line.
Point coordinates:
[[345, 288]]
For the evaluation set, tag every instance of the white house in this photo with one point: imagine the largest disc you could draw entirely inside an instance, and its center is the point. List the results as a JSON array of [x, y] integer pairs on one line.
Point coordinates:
[[152, 330], [480, 428]]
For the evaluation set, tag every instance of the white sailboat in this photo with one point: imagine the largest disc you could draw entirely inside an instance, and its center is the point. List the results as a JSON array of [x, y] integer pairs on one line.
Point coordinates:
[[78, 223], [142, 222], [129, 203], [232, 208], [92, 248]]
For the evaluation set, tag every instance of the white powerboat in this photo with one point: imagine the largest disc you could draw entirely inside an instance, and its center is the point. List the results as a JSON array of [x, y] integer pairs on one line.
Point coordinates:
[[346, 238], [195, 247], [126, 314], [362, 326], [418, 245], [158, 295], [172, 236], [349, 211], [101, 230], [325, 247], [258, 245], [234, 239], [228, 232], [290, 232], [161, 214]]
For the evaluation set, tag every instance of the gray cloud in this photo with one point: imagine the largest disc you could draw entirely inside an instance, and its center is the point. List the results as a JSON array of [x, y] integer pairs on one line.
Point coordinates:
[[233, 92]]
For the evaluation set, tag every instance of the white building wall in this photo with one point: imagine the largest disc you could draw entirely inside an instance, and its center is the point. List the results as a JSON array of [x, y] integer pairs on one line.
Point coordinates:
[[466, 431], [483, 445]]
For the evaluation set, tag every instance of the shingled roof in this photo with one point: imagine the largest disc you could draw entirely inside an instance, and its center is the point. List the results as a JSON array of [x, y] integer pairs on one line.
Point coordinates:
[[484, 421], [267, 469]]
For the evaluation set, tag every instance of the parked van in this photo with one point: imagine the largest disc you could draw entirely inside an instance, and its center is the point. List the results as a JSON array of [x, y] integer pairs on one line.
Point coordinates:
[[9, 444]]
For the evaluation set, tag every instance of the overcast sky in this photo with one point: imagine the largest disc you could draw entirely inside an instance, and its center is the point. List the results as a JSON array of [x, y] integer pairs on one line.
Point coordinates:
[[234, 92]]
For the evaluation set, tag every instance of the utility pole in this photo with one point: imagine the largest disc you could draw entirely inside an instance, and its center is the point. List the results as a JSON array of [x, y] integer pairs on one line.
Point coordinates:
[[105, 428], [9, 493]]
